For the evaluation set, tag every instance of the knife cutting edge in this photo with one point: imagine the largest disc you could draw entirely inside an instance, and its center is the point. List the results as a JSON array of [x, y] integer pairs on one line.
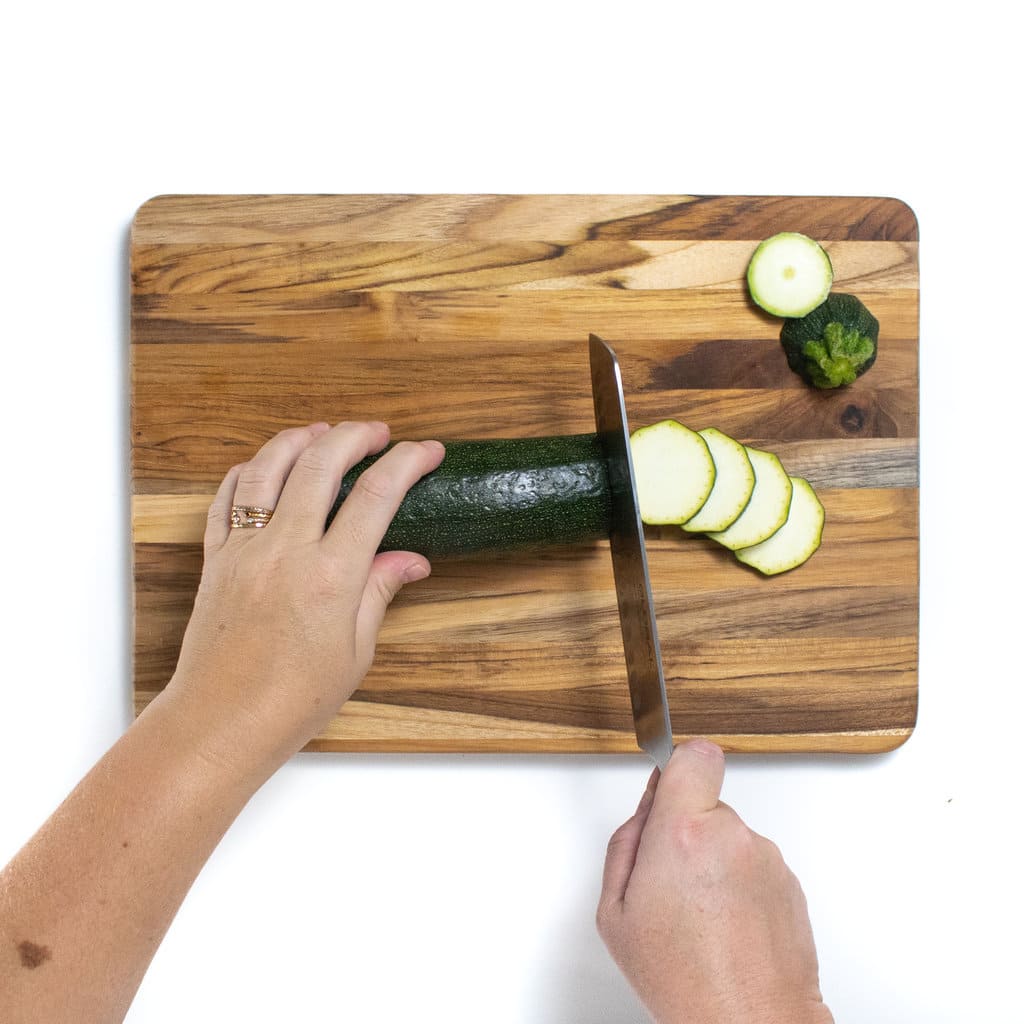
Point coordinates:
[[629, 561]]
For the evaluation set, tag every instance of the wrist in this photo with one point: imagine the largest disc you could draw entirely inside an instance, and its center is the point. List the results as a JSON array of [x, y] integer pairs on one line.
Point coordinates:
[[218, 748]]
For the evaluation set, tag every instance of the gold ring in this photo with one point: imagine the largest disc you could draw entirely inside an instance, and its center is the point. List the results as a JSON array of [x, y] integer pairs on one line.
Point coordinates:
[[249, 517]]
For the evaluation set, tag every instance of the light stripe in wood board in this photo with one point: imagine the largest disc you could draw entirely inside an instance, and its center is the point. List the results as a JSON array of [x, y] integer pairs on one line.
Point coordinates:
[[220, 219], [315, 268], [861, 583], [181, 519]]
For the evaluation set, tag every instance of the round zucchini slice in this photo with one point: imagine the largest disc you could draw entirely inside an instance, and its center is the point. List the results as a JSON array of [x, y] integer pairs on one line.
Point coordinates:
[[768, 506], [674, 472], [796, 540], [734, 483], [789, 274]]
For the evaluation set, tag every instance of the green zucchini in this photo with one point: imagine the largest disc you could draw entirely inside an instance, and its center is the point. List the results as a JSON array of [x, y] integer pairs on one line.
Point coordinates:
[[498, 495], [501, 494]]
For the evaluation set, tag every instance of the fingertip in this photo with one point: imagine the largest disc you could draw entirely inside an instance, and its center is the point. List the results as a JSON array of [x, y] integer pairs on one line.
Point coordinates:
[[700, 746], [416, 571], [435, 452]]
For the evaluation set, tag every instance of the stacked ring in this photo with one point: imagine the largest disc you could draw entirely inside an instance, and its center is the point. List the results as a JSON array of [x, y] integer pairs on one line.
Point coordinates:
[[249, 517]]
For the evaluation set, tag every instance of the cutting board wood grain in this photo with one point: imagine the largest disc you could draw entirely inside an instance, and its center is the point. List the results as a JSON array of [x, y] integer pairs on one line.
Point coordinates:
[[455, 316]]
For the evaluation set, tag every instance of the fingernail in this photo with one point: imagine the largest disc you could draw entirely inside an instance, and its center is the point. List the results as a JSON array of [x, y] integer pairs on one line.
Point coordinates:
[[436, 445], [705, 747], [416, 571]]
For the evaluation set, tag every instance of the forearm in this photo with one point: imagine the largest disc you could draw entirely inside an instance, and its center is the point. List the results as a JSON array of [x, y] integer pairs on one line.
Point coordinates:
[[84, 906]]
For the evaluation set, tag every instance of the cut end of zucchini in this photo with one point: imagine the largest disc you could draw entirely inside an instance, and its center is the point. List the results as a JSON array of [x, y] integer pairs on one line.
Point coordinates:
[[734, 483], [768, 506], [789, 274], [796, 540], [674, 472]]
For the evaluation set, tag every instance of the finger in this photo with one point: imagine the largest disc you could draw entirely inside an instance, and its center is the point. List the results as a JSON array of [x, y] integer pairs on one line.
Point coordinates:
[[313, 483], [218, 518], [692, 782], [367, 511], [623, 845], [262, 478], [389, 572]]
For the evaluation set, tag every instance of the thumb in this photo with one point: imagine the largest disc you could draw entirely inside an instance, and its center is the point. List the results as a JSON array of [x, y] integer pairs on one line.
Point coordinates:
[[389, 572], [692, 781]]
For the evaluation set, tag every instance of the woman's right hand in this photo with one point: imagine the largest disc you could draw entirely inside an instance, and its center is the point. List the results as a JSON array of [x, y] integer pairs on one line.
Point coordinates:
[[702, 915]]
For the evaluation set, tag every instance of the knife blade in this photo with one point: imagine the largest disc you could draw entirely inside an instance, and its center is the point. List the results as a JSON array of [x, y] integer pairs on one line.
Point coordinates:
[[629, 561]]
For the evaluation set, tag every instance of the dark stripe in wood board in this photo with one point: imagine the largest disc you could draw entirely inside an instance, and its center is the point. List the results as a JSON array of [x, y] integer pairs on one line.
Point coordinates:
[[188, 438], [483, 321], [658, 365]]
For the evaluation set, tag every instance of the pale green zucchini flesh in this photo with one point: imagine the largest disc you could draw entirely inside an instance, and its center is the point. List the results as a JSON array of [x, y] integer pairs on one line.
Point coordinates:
[[789, 274], [768, 506], [674, 472], [796, 540], [734, 483]]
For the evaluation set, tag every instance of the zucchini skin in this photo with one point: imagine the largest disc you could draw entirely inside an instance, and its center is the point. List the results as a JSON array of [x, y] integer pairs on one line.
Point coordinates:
[[499, 495]]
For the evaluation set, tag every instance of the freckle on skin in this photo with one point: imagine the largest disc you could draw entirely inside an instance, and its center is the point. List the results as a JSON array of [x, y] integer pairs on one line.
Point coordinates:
[[124, 845], [33, 955]]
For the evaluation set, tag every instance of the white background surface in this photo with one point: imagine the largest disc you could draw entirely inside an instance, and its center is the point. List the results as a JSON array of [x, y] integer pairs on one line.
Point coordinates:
[[462, 889]]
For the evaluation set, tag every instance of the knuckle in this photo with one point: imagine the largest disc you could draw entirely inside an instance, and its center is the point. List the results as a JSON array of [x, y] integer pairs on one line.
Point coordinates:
[[313, 460], [330, 576], [323, 581], [689, 832], [253, 475], [298, 435], [769, 854], [605, 918], [384, 589], [619, 837], [374, 484]]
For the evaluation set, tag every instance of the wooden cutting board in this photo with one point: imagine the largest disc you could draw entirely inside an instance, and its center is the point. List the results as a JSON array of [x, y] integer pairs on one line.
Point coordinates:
[[455, 316]]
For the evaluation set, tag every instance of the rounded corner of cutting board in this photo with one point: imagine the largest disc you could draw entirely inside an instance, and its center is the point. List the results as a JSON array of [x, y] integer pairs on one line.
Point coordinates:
[[899, 738], [905, 214], [149, 211]]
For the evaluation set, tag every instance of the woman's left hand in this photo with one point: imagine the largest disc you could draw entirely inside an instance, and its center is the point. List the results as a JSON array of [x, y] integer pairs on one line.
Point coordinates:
[[286, 617]]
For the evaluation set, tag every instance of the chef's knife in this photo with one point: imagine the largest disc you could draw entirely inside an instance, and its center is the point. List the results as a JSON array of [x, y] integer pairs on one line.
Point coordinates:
[[629, 561]]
